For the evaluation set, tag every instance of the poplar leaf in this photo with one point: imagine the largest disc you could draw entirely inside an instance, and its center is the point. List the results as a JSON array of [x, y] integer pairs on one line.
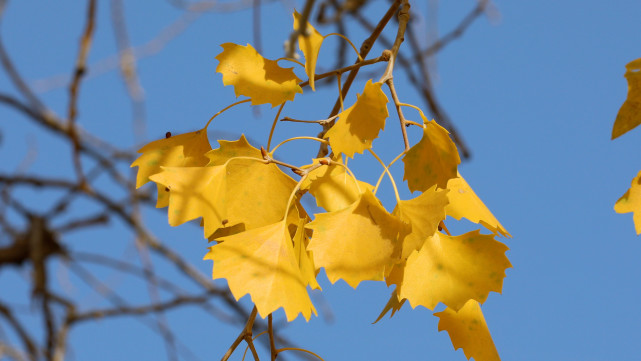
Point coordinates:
[[631, 202], [261, 262], [356, 243], [239, 191], [183, 150], [464, 203], [260, 79], [453, 270], [310, 45], [333, 187], [358, 125], [468, 330], [629, 115], [423, 213], [433, 160]]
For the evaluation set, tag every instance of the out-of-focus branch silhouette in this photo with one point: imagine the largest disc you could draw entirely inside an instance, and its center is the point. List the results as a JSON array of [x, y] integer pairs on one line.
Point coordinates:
[[34, 235]]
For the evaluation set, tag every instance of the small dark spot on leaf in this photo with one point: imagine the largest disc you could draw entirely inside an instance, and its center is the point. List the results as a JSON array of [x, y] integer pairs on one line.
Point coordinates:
[[168, 135]]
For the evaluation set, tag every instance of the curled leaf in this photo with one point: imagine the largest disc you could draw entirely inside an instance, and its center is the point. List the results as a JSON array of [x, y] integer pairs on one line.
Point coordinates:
[[629, 116], [260, 79], [468, 330], [310, 45], [631, 202], [358, 125]]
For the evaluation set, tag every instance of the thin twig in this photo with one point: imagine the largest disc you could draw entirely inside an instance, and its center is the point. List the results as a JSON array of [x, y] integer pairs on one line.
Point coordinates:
[[397, 104], [80, 69], [385, 56]]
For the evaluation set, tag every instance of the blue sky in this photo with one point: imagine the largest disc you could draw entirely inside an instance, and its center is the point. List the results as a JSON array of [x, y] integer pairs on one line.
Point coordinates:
[[534, 93]]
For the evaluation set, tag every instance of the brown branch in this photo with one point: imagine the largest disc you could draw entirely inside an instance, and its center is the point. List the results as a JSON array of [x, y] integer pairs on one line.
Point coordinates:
[[141, 310], [245, 334], [366, 46], [385, 56], [28, 342], [397, 104]]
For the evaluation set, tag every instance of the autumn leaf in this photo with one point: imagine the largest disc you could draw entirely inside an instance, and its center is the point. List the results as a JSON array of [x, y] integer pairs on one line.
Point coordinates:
[[631, 202], [262, 80], [356, 243], [358, 125], [433, 160], [629, 115], [183, 150], [464, 203], [423, 213], [261, 262], [453, 270], [242, 190], [310, 45], [333, 187], [468, 330]]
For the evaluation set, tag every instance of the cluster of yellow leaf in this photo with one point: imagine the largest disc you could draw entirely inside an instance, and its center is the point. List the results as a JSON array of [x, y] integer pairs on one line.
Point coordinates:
[[268, 247], [628, 118]]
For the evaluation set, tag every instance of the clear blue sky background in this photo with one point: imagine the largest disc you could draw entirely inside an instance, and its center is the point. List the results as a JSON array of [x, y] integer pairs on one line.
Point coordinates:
[[534, 94]]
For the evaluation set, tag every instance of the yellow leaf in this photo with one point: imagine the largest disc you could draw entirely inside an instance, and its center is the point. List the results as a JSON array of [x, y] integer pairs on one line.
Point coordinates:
[[261, 262], [183, 150], [358, 125], [392, 305], [423, 213], [310, 45], [433, 160], [468, 330], [453, 270], [243, 191], [464, 203], [262, 80], [356, 243], [195, 192], [232, 149], [629, 115], [631, 202], [333, 187], [304, 257]]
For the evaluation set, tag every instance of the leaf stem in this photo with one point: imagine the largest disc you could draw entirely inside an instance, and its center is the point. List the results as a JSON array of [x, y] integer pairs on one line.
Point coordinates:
[[299, 349], [292, 60], [360, 58], [297, 138], [386, 168], [224, 109], [398, 198], [272, 344], [271, 132]]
